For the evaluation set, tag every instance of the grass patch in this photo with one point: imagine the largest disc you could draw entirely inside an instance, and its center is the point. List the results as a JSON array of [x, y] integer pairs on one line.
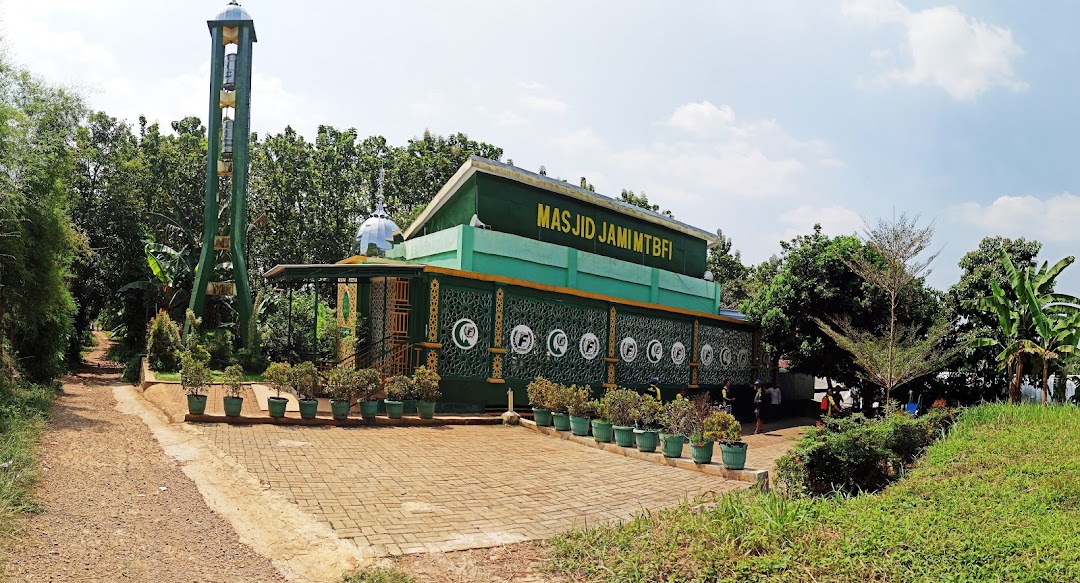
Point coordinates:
[[997, 500], [216, 376], [24, 409], [379, 575]]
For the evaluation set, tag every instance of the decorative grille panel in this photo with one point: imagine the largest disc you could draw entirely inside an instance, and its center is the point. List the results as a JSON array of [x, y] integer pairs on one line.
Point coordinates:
[[535, 346], [378, 310], [464, 331], [661, 347], [732, 355]]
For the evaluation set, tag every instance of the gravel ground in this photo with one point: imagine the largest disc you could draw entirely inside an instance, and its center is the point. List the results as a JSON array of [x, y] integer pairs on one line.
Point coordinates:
[[116, 508]]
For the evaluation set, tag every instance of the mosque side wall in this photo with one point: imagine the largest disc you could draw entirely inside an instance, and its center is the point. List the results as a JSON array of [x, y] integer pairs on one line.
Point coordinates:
[[493, 336]]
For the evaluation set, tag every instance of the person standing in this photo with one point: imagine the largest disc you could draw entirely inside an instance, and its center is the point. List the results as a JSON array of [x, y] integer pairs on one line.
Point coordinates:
[[726, 399], [654, 387], [774, 401], [759, 398]]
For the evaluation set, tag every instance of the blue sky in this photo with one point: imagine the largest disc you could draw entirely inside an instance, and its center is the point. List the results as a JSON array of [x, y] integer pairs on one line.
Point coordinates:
[[757, 118]]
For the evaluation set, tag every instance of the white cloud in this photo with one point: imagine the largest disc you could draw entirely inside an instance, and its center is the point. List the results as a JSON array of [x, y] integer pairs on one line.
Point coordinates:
[[943, 47], [834, 220], [546, 104], [580, 142], [1052, 219], [702, 118]]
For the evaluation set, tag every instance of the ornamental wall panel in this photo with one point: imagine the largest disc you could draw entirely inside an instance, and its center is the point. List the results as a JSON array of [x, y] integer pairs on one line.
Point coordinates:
[[650, 346], [465, 316], [561, 340], [725, 353]]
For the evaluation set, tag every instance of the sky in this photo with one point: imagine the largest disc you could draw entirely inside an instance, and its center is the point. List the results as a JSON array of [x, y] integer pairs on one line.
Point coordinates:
[[758, 118]]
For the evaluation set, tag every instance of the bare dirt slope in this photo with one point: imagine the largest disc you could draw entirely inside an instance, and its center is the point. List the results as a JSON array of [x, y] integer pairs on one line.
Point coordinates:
[[116, 508]]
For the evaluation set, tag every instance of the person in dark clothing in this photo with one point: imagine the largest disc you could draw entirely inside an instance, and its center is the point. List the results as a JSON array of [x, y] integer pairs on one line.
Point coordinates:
[[759, 397]]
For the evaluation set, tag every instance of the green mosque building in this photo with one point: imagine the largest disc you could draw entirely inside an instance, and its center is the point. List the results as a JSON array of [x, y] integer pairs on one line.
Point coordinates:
[[508, 275]]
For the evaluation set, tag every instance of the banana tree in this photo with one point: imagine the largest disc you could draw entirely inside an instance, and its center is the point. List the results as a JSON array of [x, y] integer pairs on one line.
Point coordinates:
[[1032, 298], [1058, 331], [173, 272]]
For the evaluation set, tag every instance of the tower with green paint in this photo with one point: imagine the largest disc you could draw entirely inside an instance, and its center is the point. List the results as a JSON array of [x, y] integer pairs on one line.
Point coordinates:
[[232, 36]]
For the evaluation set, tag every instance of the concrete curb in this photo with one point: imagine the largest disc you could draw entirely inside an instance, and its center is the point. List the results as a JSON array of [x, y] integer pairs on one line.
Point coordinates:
[[760, 478], [350, 422]]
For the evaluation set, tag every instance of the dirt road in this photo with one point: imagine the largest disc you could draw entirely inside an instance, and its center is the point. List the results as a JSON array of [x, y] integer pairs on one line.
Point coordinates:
[[116, 508]]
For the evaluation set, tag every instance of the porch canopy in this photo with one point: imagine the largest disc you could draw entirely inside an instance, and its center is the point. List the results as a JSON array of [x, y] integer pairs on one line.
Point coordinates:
[[363, 270]]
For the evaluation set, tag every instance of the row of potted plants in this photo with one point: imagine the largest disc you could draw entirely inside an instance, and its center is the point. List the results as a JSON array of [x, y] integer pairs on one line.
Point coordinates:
[[345, 386], [632, 419]]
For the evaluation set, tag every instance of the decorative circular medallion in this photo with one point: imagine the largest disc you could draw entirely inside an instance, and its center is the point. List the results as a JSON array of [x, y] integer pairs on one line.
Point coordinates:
[[706, 355], [522, 339], [589, 346], [628, 349], [655, 351], [725, 356], [465, 334], [557, 343], [744, 357], [678, 353]]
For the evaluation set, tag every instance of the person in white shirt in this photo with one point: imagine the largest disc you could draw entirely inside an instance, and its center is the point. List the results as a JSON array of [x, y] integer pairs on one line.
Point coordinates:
[[774, 400]]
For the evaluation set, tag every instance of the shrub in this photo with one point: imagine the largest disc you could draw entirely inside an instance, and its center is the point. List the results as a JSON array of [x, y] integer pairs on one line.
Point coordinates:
[[163, 346], [677, 418], [857, 454], [342, 383], [304, 379], [399, 388], [425, 384], [722, 427], [253, 363], [234, 381], [369, 384], [131, 369], [278, 375], [379, 575], [219, 344], [542, 393], [194, 376], [648, 412], [599, 409], [620, 405], [576, 400]]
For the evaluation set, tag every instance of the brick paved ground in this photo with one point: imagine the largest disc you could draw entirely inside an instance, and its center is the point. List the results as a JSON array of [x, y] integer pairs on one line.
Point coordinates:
[[399, 490]]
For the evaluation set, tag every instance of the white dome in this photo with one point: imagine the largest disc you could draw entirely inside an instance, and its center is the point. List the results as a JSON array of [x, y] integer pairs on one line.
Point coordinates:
[[377, 230], [233, 12]]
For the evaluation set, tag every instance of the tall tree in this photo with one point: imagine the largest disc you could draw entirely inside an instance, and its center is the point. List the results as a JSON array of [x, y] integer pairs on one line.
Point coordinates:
[[981, 267], [37, 129], [729, 272], [902, 353]]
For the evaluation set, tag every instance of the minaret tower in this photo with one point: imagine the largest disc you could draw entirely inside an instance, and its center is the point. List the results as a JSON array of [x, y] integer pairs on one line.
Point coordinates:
[[232, 36]]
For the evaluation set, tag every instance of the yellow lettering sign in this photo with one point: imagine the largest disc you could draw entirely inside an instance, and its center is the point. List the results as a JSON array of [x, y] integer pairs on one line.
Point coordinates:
[[578, 225]]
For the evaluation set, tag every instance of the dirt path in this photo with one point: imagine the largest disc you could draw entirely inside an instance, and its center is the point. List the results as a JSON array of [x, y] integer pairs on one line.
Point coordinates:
[[116, 507]]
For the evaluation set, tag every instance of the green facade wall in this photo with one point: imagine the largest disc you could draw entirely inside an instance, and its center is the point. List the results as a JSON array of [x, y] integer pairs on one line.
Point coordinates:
[[496, 253], [511, 207]]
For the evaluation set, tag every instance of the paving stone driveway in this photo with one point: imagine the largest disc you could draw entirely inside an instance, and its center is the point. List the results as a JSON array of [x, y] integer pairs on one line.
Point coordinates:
[[398, 490]]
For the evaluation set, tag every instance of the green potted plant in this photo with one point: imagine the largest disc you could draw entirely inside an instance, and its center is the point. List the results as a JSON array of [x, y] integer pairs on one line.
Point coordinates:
[[194, 377], [648, 413], [698, 431], [305, 381], [278, 375], [676, 423], [426, 391], [621, 406], [560, 418], [398, 389], [369, 384], [234, 386], [728, 432], [601, 427], [341, 383], [577, 405], [540, 392]]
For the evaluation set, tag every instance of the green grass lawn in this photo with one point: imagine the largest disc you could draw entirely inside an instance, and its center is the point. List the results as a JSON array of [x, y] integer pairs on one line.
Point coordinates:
[[23, 410], [216, 376], [997, 500]]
